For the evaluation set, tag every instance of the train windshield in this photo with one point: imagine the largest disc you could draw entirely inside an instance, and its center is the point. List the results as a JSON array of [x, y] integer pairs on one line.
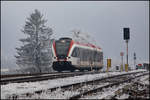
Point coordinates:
[[62, 48]]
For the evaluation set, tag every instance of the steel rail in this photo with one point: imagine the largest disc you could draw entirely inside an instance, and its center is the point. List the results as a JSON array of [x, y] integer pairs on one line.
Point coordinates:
[[34, 74], [79, 83], [20, 75], [106, 86], [23, 75], [41, 77]]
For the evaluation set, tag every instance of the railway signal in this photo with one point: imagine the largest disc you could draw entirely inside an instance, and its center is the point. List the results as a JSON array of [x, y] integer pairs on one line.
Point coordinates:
[[126, 35]]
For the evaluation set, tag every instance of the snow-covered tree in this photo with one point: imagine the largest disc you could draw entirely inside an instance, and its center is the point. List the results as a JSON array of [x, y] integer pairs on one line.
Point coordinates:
[[36, 50]]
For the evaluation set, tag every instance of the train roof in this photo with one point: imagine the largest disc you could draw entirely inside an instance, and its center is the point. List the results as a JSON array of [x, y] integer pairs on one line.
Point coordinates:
[[80, 43], [88, 45], [65, 38]]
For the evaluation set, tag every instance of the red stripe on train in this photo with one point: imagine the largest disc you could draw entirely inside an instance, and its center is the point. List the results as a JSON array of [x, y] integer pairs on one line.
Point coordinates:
[[54, 46], [70, 47], [88, 45]]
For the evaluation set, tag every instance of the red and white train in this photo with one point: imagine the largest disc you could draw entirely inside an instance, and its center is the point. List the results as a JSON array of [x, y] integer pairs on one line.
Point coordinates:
[[71, 55]]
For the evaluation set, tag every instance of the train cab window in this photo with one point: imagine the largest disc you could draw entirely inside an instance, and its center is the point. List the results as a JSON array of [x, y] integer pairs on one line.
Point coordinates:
[[62, 48]]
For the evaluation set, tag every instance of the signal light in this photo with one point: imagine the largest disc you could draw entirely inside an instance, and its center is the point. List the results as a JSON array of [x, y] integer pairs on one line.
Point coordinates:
[[126, 32]]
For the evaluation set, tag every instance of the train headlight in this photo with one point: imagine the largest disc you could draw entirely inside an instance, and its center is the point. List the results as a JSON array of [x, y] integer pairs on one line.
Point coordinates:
[[63, 41]]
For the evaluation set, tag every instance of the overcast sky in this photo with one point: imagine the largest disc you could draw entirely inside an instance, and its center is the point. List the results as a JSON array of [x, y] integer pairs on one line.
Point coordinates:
[[104, 21]]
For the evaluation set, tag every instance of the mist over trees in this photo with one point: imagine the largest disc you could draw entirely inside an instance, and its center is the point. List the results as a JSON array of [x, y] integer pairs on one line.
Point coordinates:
[[35, 53], [82, 37]]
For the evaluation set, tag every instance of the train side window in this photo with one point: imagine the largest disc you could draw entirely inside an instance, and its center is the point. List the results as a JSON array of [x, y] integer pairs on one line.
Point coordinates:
[[83, 57], [81, 54], [98, 57], [101, 56], [87, 55], [74, 53], [79, 51], [95, 55], [92, 55]]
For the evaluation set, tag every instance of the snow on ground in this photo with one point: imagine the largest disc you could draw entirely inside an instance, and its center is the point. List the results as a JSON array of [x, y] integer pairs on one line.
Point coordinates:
[[58, 94], [61, 94], [106, 93], [144, 80], [20, 88], [110, 92]]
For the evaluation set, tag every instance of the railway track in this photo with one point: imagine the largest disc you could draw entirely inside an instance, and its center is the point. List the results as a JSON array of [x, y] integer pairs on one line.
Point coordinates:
[[116, 83], [40, 77], [79, 86], [22, 75]]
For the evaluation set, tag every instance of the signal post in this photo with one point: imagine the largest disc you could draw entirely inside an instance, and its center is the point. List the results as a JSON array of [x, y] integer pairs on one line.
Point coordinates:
[[126, 38], [134, 59]]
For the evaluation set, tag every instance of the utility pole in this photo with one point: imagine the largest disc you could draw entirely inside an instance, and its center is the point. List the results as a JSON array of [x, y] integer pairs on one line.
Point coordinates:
[[134, 59]]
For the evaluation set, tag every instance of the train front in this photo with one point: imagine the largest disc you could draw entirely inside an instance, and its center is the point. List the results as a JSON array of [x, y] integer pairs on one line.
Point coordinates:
[[60, 50]]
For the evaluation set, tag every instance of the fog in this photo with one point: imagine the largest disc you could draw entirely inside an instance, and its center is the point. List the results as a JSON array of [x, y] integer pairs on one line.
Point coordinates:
[[104, 21]]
